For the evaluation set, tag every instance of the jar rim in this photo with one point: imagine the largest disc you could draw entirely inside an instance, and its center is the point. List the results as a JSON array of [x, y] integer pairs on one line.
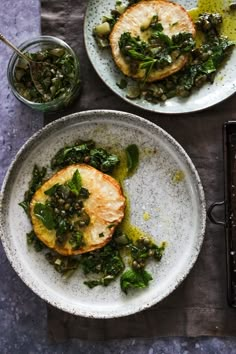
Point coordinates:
[[26, 44]]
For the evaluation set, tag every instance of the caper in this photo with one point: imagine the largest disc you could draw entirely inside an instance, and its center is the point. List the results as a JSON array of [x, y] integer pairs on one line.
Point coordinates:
[[87, 159], [163, 97], [200, 80], [67, 206], [61, 201], [151, 253], [205, 56], [146, 241], [99, 267], [63, 212], [135, 264], [56, 210], [77, 206], [82, 223], [206, 25]]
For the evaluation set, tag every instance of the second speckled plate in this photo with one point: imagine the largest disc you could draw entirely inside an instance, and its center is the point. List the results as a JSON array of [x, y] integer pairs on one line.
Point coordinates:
[[209, 95], [169, 210]]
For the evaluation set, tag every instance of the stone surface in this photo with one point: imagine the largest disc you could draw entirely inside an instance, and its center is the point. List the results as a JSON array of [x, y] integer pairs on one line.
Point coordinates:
[[23, 314]]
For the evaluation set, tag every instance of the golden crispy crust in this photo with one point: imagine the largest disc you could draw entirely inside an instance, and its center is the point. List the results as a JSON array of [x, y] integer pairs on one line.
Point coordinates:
[[105, 206], [132, 19]]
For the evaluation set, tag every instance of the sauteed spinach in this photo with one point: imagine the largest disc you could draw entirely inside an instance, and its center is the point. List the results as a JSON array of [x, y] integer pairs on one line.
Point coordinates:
[[36, 182], [85, 152]]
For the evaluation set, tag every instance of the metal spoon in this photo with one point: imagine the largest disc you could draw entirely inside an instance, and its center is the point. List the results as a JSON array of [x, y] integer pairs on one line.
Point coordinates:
[[38, 69]]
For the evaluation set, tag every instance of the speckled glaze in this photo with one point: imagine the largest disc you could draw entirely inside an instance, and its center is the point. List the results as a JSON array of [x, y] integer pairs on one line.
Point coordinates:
[[210, 94], [177, 211]]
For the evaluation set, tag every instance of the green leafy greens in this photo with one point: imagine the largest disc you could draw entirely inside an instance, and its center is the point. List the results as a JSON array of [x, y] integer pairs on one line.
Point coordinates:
[[36, 182], [85, 152], [75, 183], [45, 213], [64, 213], [158, 52], [132, 279], [132, 155]]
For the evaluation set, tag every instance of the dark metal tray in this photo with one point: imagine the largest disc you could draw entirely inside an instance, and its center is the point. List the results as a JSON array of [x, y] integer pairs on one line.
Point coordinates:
[[229, 135]]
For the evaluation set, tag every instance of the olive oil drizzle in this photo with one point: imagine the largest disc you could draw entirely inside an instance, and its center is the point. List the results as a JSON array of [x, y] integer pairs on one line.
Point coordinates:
[[222, 7], [134, 232]]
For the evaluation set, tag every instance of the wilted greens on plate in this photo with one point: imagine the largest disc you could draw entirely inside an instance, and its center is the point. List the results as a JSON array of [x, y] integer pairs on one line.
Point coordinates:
[[63, 220], [162, 61]]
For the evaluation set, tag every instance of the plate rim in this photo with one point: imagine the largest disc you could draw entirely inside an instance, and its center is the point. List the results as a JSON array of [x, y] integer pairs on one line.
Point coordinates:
[[24, 276], [132, 102]]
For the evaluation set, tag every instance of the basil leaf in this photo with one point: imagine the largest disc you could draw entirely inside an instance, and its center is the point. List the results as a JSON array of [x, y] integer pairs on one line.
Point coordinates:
[[44, 213], [75, 183], [132, 279], [52, 190], [132, 155]]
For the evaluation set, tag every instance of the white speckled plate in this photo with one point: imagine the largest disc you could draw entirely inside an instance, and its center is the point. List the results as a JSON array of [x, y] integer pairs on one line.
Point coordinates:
[[210, 94], [176, 210]]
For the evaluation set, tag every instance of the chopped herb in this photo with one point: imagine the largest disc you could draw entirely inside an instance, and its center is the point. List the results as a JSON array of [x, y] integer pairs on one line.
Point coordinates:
[[52, 190], [120, 238], [45, 214], [92, 283], [62, 264], [75, 183], [76, 240], [132, 279], [173, 24], [111, 226], [85, 153], [36, 182], [122, 84], [32, 240], [102, 160], [105, 262], [132, 155]]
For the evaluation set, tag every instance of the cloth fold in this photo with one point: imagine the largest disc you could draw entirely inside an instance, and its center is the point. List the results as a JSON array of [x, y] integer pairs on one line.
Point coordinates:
[[199, 305]]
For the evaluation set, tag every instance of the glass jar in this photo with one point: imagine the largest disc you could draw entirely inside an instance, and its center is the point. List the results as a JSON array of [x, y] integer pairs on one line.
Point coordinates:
[[35, 45]]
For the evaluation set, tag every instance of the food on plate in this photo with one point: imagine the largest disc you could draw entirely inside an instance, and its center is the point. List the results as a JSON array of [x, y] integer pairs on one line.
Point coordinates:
[[77, 212], [160, 51], [151, 39], [56, 83], [77, 209]]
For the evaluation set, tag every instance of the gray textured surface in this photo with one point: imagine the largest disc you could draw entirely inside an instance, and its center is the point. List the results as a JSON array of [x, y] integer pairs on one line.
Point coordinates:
[[23, 314]]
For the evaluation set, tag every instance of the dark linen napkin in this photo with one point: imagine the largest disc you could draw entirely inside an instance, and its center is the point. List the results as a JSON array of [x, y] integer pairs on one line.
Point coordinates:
[[198, 306]]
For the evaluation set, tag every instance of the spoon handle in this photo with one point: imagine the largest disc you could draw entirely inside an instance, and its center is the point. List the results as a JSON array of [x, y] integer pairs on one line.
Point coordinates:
[[7, 42]]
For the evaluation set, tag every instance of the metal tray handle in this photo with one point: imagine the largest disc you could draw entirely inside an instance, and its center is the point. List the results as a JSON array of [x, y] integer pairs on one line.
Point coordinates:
[[211, 215]]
